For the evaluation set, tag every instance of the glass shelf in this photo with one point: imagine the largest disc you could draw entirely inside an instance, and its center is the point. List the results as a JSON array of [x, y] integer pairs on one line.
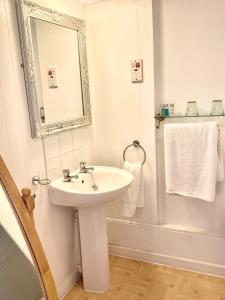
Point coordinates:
[[160, 118]]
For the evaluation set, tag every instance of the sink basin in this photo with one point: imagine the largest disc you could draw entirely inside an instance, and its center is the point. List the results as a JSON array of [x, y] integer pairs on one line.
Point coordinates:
[[83, 194], [111, 183]]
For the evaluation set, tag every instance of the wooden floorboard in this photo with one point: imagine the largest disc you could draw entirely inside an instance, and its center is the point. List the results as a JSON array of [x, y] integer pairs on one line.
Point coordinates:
[[135, 280]]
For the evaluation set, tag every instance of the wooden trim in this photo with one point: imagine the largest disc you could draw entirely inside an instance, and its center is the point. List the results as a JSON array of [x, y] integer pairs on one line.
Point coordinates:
[[28, 229], [28, 201]]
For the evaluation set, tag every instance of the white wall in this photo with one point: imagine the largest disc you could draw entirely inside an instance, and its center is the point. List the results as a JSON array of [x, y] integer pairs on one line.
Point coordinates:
[[118, 31], [24, 156], [189, 52], [189, 65]]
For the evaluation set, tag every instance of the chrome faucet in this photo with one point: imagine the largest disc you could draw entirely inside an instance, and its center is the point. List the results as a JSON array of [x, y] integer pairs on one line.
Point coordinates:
[[84, 169], [67, 177]]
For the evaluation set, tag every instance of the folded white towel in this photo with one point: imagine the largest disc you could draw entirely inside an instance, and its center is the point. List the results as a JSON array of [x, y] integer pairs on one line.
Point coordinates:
[[221, 153], [192, 162], [134, 196]]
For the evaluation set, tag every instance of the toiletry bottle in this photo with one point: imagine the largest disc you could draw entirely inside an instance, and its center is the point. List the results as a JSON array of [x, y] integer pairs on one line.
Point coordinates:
[[165, 110], [171, 109]]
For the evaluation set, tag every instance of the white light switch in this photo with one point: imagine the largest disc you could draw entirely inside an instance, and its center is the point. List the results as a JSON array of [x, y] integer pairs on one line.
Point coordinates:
[[52, 78], [136, 70]]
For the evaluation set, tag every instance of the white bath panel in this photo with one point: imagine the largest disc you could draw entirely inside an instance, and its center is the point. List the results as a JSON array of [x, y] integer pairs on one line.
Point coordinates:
[[194, 250], [183, 228]]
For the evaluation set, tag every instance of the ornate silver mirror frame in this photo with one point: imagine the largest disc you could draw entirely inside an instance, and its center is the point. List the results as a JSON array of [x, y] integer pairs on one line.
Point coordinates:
[[26, 10]]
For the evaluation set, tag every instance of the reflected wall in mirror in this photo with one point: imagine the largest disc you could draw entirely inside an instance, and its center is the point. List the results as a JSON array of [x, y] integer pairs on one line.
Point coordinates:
[[58, 76], [24, 270], [55, 66]]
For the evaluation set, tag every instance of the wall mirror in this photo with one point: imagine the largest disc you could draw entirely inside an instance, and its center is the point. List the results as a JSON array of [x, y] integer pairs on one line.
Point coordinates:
[[24, 270], [55, 67]]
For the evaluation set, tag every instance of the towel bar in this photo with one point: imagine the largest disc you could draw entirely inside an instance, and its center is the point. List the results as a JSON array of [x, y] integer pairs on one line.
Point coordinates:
[[135, 144]]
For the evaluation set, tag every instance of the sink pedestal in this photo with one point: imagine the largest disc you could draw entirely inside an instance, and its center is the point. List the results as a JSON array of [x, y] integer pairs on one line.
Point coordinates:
[[94, 249], [79, 193]]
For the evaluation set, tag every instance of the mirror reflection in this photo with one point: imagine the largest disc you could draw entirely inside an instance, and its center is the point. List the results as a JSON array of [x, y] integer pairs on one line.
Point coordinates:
[[18, 276], [58, 77]]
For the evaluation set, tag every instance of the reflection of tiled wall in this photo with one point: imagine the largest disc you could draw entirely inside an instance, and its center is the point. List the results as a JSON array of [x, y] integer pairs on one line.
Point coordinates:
[[67, 149]]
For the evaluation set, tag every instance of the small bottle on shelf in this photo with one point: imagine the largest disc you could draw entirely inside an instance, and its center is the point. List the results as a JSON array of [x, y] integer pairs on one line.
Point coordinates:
[[171, 110], [164, 109]]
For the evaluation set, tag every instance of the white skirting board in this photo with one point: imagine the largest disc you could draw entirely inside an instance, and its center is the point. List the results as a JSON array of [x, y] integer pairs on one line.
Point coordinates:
[[187, 250], [67, 284], [176, 262]]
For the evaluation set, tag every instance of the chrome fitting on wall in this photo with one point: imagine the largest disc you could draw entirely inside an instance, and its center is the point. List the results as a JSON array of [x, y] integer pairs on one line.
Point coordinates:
[[37, 180]]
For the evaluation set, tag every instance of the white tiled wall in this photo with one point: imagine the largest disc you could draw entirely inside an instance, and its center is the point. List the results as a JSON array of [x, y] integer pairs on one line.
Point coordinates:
[[65, 150]]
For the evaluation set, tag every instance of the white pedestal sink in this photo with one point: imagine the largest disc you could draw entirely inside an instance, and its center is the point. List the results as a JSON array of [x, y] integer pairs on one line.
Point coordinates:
[[79, 193]]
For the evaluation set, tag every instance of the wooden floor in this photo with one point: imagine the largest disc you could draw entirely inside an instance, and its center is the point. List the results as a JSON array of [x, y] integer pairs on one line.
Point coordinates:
[[134, 280]]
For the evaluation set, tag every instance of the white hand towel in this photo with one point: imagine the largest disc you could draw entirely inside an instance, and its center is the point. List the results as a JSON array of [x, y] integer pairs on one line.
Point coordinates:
[[192, 162], [134, 196], [221, 153]]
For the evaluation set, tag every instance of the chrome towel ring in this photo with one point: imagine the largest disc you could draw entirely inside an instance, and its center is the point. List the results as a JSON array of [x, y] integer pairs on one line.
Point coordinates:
[[135, 144]]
